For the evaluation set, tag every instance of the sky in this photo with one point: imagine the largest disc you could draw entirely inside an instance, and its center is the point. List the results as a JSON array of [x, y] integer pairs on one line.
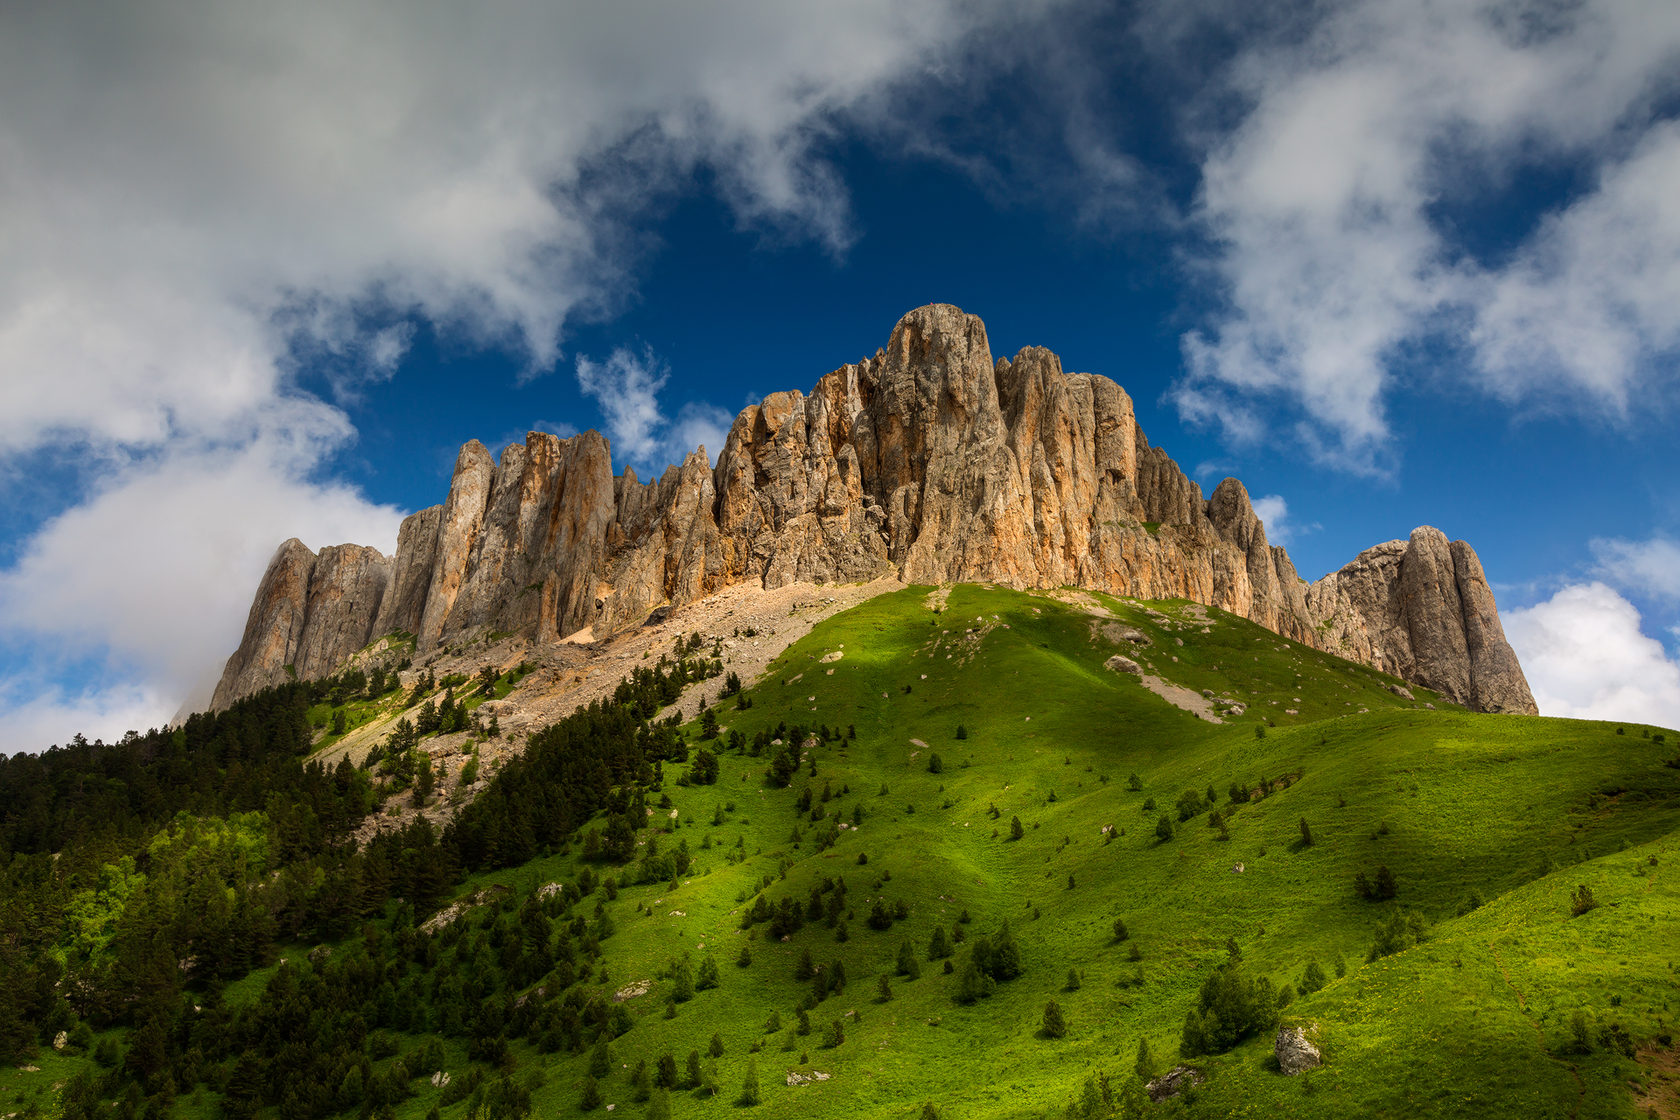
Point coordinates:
[[264, 268]]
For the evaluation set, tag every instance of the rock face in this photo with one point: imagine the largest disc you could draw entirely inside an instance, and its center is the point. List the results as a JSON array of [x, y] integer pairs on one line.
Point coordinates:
[[928, 460], [1295, 1054], [1421, 609]]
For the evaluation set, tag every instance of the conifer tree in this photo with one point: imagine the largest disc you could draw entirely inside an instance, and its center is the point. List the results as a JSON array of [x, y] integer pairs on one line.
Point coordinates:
[[1053, 1025], [749, 1085]]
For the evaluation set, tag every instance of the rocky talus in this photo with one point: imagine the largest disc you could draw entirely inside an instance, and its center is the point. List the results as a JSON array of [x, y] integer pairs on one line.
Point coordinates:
[[929, 461]]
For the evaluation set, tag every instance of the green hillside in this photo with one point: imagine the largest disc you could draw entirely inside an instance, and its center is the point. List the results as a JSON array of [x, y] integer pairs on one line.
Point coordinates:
[[914, 732]]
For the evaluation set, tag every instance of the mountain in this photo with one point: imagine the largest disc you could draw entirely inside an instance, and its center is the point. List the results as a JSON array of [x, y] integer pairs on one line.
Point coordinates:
[[928, 461]]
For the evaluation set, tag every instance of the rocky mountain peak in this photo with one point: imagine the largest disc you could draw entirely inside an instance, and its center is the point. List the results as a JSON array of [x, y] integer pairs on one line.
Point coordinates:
[[929, 461]]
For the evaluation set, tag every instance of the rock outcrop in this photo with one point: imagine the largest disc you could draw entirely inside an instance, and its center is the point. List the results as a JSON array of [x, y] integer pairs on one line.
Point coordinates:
[[1295, 1052], [928, 460]]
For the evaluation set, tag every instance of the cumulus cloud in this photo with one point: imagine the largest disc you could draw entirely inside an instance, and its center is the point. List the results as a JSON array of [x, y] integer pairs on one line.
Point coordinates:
[[626, 389], [1323, 206], [1649, 567], [200, 197], [1587, 658]]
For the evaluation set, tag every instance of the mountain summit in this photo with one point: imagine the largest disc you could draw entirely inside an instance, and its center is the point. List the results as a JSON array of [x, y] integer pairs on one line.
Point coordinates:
[[928, 461]]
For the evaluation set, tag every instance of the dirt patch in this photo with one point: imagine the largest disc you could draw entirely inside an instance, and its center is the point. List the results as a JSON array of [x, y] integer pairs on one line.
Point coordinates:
[[1180, 697], [1087, 603], [937, 597], [1661, 1095]]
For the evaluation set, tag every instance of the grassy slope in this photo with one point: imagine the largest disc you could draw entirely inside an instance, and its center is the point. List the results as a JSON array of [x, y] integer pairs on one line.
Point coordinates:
[[1473, 1022], [1470, 803]]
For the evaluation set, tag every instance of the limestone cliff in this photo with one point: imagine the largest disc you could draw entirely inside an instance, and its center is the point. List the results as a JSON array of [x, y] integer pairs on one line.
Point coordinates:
[[928, 460]]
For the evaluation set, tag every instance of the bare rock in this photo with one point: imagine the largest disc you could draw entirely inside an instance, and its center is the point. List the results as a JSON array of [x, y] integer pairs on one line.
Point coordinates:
[[1295, 1053], [1174, 1082], [1422, 610], [274, 628], [1119, 664]]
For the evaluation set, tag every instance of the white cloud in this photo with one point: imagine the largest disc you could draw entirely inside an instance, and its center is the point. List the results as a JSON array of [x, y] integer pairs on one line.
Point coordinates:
[[1586, 657], [154, 575], [1322, 207], [1280, 529], [39, 716], [198, 196], [1650, 567], [626, 388]]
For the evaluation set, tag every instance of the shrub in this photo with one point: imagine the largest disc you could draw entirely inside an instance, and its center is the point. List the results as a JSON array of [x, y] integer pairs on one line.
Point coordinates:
[[1306, 834], [1581, 901], [1399, 932], [1313, 980], [1164, 828], [1120, 931], [1015, 829], [935, 764]]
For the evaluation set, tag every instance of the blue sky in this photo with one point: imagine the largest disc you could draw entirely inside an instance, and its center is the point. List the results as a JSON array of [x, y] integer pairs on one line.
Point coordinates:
[[1389, 262]]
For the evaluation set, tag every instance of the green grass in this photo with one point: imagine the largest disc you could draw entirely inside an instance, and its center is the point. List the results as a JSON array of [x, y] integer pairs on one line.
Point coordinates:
[[1451, 802], [1474, 1021]]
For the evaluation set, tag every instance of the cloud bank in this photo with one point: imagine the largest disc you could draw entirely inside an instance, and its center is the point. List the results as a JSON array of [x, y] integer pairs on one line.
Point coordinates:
[[199, 195]]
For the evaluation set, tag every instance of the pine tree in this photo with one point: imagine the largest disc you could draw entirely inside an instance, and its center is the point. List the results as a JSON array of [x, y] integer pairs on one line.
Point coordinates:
[[1306, 834], [1054, 1026], [908, 966], [659, 1105], [939, 947], [749, 1086], [682, 981], [1015, 829], [600, 1060], [591, 1099], [1146, 1068], [692, 1067], [715, 1047]]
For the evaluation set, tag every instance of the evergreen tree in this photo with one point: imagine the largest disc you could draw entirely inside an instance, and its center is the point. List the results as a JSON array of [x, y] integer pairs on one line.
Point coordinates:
[[715, 1047], [1306, 834], [682, 981], [708, 975], [749, 1085], [908, 966], [591, 1099], [1006, 956], [1053, 1025], [659, 1105], [1146, 1067], [692, 1067], [1015, 829]]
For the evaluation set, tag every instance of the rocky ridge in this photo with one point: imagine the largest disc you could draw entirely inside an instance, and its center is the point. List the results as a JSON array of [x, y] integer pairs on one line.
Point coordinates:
[[929, 462]]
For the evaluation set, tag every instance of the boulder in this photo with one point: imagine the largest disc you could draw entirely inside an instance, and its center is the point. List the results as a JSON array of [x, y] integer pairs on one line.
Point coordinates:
[[1295, 1053], [1119, 664], [1174, 1082]]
